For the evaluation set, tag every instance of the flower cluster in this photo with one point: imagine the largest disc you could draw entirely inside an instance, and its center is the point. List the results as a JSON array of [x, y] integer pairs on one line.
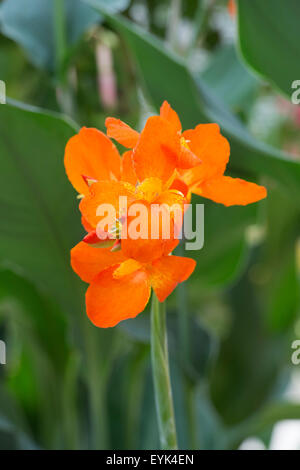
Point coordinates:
[[163, 166]]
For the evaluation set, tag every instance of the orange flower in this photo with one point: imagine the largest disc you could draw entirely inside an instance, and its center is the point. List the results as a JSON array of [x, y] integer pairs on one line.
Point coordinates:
[[120, 287], [162, 167], [200, 156], [122, 272], [101, 176], [146, 195]]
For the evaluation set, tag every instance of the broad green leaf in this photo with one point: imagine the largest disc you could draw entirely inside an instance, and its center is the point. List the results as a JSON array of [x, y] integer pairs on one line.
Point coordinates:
[[276, 273], [210, 432], [201, 347], [221, 257], [269, 40], [39, 216], [148, 436], [38, 356], [166, 76], [224, 69], [36, 314], [31, 24], [250, 362]]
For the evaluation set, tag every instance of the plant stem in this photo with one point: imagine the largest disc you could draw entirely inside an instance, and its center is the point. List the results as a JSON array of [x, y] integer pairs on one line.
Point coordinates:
[[161, 376], [173, 22], [59, 35], [201, 22], [64, 78]]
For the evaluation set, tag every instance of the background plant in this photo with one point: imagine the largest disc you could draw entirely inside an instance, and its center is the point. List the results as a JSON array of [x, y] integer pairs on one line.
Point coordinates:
[[67, 384]]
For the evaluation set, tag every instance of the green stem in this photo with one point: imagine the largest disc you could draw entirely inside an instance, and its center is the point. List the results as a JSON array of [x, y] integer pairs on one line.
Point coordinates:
[[201, 22], [96, 379], [64, 89], [161, 376], [59, 34], [173, 22]]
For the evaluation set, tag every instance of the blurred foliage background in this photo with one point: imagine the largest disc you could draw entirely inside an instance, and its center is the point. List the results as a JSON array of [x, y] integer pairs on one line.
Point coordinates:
[[68, 63]]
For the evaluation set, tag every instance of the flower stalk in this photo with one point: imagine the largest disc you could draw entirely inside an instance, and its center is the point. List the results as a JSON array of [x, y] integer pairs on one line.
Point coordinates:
[[161, 376]]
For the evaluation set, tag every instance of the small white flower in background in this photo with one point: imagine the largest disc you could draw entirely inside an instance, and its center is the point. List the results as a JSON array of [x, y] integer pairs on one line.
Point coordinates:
[[286, 435]]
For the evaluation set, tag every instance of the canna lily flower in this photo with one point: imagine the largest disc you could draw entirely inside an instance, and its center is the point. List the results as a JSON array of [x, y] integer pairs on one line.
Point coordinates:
[[91, 157], [200, 155], [120, 287], [163, 166], [121, 272]]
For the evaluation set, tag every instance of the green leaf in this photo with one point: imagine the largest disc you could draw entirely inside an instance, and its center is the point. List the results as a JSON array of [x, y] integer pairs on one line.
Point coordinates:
[[195, 103], [277, 273], [251, 359], [39, 216], [269, 40], [25, 303], [222, 257], [224, 69], [112, 6], [210, 431], [39, 357], [202, 347], [31, 24]]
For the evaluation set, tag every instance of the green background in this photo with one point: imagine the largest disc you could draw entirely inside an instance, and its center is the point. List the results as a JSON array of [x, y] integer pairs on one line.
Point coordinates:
[[67, 384]]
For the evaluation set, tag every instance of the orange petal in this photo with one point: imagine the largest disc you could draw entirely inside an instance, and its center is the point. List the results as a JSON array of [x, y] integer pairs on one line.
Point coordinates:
[[128, 267], [110, 300], [157, 149], [167, 272], [211, 147], [88, 261], [187, 159], [100, 239], [105, 193], [150, 233], [170, 115], [127, 169], [172, 198], [231, 191], [121, 132], [87, 226], [91, 153], [170, 246], [180, 185]]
